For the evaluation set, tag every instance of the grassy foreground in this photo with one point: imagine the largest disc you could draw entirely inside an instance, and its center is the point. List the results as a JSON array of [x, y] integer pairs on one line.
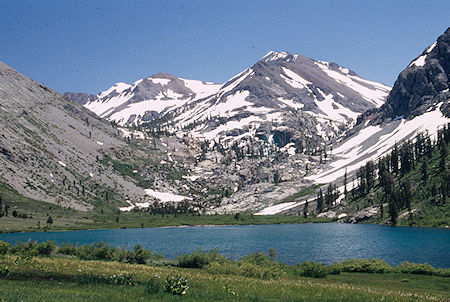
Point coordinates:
[[67, 278]]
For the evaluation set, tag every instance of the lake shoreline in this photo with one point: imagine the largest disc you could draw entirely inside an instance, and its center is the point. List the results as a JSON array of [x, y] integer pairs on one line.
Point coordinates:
[[108, 227]]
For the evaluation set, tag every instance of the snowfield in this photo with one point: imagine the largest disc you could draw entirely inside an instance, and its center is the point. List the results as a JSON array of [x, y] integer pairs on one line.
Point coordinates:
[[166, 197], [373, 142]]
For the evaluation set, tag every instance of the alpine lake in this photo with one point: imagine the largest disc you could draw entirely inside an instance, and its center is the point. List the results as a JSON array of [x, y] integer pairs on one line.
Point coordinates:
[[293, 243]]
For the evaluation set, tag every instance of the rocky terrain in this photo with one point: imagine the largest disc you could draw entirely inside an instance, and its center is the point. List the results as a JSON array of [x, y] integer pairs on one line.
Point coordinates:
[[79, 98], [423, 84], [261, 142], [255, 137], [50, 148], [283, 98]]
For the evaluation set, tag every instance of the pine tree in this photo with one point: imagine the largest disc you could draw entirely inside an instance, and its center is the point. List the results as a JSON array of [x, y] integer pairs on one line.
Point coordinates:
[[406, 194], [424, 170], [393, 211], [345, 184], [394, 159], [305, 209], [370, 175], [320, 201], [434, 192], [388, 184], [444, 152], [49, 220], [406, 158], [276, 177]]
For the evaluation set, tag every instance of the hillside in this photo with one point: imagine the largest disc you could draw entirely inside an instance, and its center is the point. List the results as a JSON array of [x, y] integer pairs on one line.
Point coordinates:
[[58, 158], [420, 106], [264, 142], [408, 186]]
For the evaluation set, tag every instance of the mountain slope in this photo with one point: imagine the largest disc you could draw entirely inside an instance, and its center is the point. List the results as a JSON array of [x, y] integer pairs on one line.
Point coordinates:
[[274, 117], [79, 98], [418, 103], [147, 98], [49, 147], [424, 83], [316, 100], [303, 99]]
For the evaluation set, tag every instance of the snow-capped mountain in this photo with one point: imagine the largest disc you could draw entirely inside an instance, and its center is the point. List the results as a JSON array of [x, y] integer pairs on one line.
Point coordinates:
[[148, 98], [418, 102], [284, 97]]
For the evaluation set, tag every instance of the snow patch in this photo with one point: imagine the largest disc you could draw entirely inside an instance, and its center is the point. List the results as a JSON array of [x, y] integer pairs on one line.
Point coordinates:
[[295, 77], [432, 46], [160, 81], [166, 197], [376, 94], [62, 163], [420, 61], [118, 88], [291, 103]]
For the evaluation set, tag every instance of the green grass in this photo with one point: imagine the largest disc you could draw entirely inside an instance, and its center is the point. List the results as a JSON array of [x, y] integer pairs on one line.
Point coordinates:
[[104, 217], [55, 279], [305, 192]]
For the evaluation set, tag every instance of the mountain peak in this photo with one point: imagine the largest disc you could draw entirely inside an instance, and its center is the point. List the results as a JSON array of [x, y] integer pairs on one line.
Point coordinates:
[[424, 83], [275, 55], [162, 75]]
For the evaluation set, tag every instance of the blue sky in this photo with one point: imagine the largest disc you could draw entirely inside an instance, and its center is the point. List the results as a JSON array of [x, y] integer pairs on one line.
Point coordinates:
[[88, 45]]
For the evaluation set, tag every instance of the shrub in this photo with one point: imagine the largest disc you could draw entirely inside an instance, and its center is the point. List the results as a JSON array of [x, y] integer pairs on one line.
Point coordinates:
[[443, 272], [176, 285], [257, 259], [4, 270], [95, 251], [312, 269], [67, 249], [260, 272], [153, 285], [46, 248], [138, 255], [366, 266], [225, 268], [416, 268], [120, 255], [4, 247], [200, 259], [103, 251], [25, 248], [335, 269]]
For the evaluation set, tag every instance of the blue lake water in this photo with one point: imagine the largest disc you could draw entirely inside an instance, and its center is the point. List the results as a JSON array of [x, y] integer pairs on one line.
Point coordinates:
[[294, 243]]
